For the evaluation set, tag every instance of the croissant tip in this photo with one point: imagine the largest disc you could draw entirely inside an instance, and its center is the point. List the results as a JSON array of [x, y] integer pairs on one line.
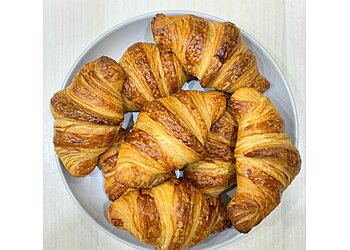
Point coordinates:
[[158, 15], [266, 86], [243, 216], [242, 231], [77, 174]]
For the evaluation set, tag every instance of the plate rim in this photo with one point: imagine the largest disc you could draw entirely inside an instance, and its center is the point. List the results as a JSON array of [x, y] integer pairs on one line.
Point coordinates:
[[135, 19]]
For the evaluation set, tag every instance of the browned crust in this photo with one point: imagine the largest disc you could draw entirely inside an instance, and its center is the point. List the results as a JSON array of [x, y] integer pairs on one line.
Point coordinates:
[[267, 162], [115, 220], [180, 124], [238, 69], [81, 168], [220, 156], [159, 113], [289, 156], [227, 45], [183, 213], [172, 69], [272, 124], [143, 63], [187, 100], [108, 159], [256, 208], [259, 83], [205, 57], [163, 33], [242, 71], [243, 206], [195, 41], [113, 189], [87, 115], [63, 105], [137, 58], [109, 70], [149, 218], [203, 181], [209, 217], [228, 42], [219, 151], [181, 219], [226, 129], [67, 140], [239, 108], [131, 92], [98, 84], [108, 163], [145, 143]]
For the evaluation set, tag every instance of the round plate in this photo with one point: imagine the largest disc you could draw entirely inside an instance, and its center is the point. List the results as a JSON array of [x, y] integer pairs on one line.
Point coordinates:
[[89, 193]]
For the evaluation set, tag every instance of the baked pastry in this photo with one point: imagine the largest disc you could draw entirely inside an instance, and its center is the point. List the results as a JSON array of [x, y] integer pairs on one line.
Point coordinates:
[[214, 52], [216, 172], [88, 114], [151, 73], [173, 215], [266, 160], [177, 129], [108, 163], [169, 133]]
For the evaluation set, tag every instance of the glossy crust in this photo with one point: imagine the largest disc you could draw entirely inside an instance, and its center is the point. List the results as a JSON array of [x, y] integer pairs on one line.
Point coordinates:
[[214, 52], [216, 172], [173, 215], [266, 160], [151, 73], [108, 163], [87, 115], [169, 133]]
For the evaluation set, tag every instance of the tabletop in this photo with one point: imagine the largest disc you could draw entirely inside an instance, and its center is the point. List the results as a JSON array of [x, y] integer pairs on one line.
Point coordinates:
[[70, 26]]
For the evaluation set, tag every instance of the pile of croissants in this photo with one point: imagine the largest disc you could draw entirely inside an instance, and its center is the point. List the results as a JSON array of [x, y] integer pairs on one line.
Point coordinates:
[[230, 136]]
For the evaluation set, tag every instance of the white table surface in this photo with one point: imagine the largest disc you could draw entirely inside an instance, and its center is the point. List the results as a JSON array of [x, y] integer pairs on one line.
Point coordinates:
[[71, 25]]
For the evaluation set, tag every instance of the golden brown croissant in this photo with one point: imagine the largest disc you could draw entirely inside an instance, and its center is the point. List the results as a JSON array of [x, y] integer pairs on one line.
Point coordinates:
[[266, 160], [214, 52], [173, 215], [169, 133], [216, 172], [107, 161], [87, 115], [151, 73]]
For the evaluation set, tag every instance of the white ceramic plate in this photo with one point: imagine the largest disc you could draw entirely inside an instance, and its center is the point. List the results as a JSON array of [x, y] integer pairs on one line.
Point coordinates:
[[88, 192]]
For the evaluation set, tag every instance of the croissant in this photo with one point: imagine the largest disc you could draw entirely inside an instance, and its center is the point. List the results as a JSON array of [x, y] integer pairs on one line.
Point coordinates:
[[216, 172], [169, 133], [151, 73], [107, 161], [214, 52], [266, 160], [173, 215], [88, 114]]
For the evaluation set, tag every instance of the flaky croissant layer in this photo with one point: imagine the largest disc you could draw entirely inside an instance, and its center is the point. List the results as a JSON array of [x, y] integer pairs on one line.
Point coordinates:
[[173, 215], [266, 160], [217, 171], [88, 114], [214, 52], [169, 133], [90, 110], [108, 163], [150, 73]]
